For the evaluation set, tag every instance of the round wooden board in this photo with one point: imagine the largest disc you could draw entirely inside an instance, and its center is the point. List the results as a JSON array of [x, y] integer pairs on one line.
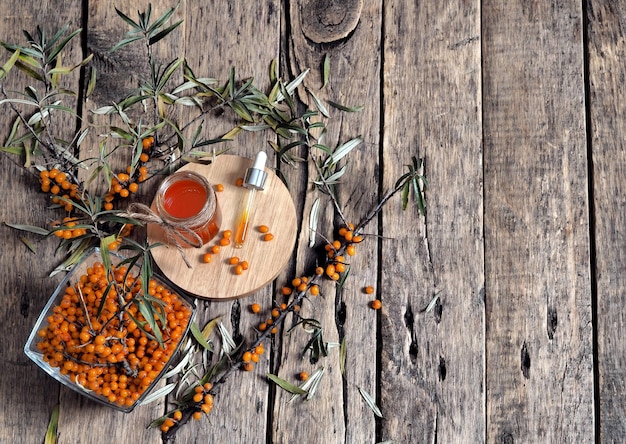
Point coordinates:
[[216, 280]]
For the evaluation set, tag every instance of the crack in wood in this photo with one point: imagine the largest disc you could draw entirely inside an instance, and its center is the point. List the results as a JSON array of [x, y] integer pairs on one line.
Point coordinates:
[[552, 322], [442, 369], [525, 358]]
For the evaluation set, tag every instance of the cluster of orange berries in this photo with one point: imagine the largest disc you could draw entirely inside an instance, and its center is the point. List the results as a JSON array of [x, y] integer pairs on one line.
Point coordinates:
[[67, 228], [60, 186], [239, 266], [124, 232], [123, 184], [99, 344], [336, 263], [265, 231], [251, 357], [203, 401]]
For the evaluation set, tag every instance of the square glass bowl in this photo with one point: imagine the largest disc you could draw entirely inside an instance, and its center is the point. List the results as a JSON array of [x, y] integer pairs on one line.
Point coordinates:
[[112, 356]]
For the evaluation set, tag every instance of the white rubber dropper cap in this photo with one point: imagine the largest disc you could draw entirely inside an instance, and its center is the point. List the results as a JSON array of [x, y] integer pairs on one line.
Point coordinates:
[[256, 175]]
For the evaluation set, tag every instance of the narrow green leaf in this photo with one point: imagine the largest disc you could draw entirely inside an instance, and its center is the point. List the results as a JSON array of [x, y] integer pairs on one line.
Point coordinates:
[[28, 228], [55, 52], [349, 109], [371, 402], [432, 302], [9, 64], [313, 220], [286, 385], [405, 195], [326, 70], [125, 42], [291, 86], [199, 337], [51, 431], [342, 150], [163, 33], [128, 20], [318, 103], [28, 244], [160, 393]]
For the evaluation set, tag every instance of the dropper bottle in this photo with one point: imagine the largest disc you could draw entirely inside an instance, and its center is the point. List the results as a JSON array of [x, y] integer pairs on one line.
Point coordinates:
[[254, 181]]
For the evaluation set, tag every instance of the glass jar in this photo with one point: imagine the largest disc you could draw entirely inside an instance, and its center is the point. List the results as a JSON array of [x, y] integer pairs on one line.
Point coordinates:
[[188, 204]]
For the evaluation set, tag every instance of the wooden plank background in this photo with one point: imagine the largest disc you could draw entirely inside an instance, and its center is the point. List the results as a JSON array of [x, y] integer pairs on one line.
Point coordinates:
[[516, 108]]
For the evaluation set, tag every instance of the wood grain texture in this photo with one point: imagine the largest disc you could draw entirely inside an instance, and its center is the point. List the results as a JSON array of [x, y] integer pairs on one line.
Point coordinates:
[[29, 395], [337, 412], [606, 108], [432, 366], [220, 35], [539, 336]]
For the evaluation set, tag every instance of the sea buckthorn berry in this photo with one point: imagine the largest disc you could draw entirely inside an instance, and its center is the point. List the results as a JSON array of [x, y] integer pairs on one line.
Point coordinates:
[[274, 330], [330, 270], [124, 192], [207, 257], [227, 234], [295, 282], [207, 386], [224, 241], [262, 326], [268, 237], [215, 249], [239, 182], [238, 269], [275, 312], [369, 289], [108, 206], [219, 187], [245, 265], [351, 250], [177, 415], [340, 267], [248, 366], [335, 276], [357, 239], [133, 187], [302, 287], [198, 397], [315, 290], [233, 260], [197, 415], [255, 308], [259, 349], [303, 376], [263, 229], [198, 389], [342, 231], [147, 143], [376, 304], [286, 291], [144, 157], [283, 306], [319, 271]]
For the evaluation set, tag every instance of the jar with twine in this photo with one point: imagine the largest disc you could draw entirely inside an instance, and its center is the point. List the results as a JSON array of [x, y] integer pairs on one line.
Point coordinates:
[[187, 204]]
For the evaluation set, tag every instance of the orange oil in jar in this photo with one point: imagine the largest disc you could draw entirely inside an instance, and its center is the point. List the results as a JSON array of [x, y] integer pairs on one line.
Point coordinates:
[[186, 201]]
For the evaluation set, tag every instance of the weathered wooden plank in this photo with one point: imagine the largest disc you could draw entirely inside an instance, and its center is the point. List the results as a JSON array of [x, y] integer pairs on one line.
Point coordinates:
[[28, 393], [337, 413], [432, 366], [118, 73], [606, 105], [538, 293], [221, 35]]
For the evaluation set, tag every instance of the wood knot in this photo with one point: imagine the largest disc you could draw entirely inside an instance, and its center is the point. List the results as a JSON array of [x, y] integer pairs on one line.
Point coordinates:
[[327, 21]]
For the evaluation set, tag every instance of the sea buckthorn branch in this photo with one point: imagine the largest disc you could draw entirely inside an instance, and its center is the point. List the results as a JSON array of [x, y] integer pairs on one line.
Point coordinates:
[[333, 267]]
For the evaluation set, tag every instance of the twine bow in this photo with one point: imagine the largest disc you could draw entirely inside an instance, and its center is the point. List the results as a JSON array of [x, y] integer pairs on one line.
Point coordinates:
[[174, 231]]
